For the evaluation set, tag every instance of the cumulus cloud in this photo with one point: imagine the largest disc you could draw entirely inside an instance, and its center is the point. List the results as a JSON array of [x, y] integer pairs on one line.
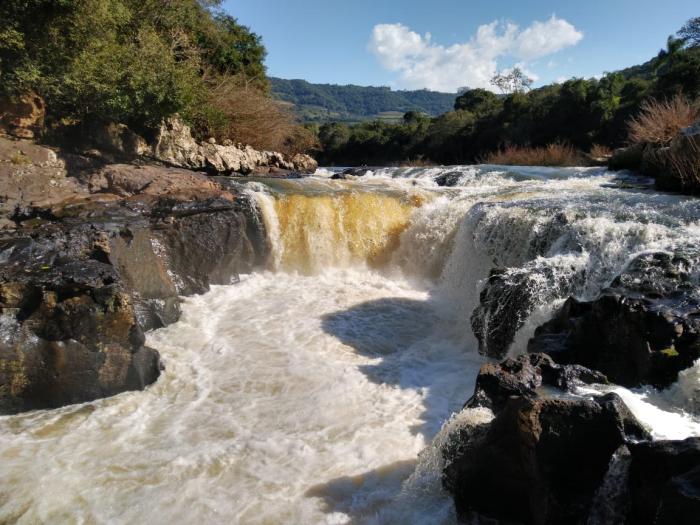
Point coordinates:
[[421, 63]]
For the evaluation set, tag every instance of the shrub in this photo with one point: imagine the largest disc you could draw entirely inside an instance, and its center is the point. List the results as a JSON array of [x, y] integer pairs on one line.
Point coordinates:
[[685, 163], [238, 110], [599, 152], [659, 122], [551, 155]]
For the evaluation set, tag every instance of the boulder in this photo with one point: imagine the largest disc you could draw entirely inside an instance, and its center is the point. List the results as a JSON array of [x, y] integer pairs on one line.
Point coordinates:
[[643, 329], [23, 117], [449, 179], [540, 460], [664, 482], [118, 139]]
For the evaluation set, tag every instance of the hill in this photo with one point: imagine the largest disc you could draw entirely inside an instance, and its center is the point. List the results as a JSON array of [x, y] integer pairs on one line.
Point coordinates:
[[329, 102]]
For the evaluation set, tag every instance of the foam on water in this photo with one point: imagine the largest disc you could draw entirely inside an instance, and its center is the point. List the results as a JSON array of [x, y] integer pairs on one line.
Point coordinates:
[[286, 399], [321, 391]]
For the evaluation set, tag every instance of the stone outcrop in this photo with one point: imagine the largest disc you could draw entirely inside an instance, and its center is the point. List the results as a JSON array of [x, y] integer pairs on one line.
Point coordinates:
[[87, 268], [175, 146], [544, 455], [676, 166], [23, 117], [643, 329]]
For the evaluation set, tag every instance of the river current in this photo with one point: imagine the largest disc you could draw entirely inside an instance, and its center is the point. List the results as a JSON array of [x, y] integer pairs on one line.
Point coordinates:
[[315, 389]]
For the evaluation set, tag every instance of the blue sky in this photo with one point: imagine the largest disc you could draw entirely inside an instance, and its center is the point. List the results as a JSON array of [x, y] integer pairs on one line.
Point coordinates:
[[385, 42]]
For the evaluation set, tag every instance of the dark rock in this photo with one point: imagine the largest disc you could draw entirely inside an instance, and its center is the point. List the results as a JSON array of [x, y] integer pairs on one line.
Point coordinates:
[[448, 179], [644, 329], [664, 482], [546, 452], [496, 383], [539, 461], [78, 291], [507, 300], [360, 171]]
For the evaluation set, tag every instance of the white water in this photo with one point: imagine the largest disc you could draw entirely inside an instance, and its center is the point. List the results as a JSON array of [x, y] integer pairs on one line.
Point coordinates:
[[311, 392]]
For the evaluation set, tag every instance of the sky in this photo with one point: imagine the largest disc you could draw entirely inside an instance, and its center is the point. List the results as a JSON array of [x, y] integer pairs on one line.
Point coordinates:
[[445, 45]]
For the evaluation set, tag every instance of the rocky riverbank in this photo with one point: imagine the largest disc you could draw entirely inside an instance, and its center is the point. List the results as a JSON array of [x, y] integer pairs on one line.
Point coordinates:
[[93, 255]]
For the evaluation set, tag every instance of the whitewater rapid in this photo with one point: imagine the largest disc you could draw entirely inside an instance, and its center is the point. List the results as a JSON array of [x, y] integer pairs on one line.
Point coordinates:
[[312, 391]]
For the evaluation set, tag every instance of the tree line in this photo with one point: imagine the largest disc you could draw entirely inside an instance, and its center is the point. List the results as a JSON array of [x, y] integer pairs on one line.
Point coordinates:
[[581, 113]]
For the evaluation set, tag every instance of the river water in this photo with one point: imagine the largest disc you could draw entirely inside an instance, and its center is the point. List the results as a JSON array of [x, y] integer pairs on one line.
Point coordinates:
[[313, 390]]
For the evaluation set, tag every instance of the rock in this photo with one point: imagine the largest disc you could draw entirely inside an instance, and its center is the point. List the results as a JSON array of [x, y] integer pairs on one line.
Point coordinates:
[[448, 179], [23, 117], [629, 158], [539, 461], [70, 333], [175, 145], [664, 482], [522, 377], [644, 329], [304, 163], [97, 258], [507, 300], [118, 139]]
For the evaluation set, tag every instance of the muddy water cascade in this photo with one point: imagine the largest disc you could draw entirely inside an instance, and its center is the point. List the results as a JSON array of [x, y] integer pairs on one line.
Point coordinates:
[[318, 388]]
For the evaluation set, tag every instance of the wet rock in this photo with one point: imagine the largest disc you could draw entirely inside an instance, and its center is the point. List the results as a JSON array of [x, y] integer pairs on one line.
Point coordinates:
[[507, 300], [523, 376], [69, 331], [665, 482], [448, 179], [644, 329]]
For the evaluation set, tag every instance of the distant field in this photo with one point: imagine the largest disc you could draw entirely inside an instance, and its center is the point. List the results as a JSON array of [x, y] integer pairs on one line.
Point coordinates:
[[333, 103]]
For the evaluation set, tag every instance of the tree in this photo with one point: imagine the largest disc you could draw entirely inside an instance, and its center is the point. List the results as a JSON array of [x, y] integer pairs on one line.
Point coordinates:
[[514, 81], [479, 101], [690, 32]]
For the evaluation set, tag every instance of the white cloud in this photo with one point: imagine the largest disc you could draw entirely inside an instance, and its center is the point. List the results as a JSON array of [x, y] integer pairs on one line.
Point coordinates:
[[422, 63]]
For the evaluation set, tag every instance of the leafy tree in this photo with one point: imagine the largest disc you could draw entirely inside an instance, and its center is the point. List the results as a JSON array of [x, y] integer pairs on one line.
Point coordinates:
[[478, 101], [514, 81], [690, 32]]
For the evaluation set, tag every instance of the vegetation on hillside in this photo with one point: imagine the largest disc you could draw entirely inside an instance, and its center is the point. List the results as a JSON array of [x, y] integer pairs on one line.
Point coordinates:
[[580, 113], [139, 61], [329, 102]]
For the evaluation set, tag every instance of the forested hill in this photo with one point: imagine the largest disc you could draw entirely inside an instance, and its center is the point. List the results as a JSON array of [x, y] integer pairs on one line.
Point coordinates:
[[329, 102]]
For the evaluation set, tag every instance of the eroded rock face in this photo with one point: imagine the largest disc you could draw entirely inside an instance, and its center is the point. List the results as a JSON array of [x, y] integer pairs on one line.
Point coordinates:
[[24, 116], [70, 333], [176, 146], [85, 271], [644, 329], [544, 455]]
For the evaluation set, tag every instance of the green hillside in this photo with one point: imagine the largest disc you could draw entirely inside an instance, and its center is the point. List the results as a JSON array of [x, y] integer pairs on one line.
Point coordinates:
[[333, 103]]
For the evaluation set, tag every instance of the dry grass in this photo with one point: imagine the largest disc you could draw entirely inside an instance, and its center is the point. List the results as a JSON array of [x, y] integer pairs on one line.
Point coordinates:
[[552, 155], [245, 114], [659, 122], [600, 152], [685, 162]]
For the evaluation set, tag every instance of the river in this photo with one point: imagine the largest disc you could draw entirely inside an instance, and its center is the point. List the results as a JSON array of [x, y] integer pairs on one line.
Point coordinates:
[[312, 390]]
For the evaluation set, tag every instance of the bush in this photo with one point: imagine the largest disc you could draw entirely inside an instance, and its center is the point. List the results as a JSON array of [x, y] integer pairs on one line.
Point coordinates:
[[685, 162], [551, 155], [659, 122], [236, 109]]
